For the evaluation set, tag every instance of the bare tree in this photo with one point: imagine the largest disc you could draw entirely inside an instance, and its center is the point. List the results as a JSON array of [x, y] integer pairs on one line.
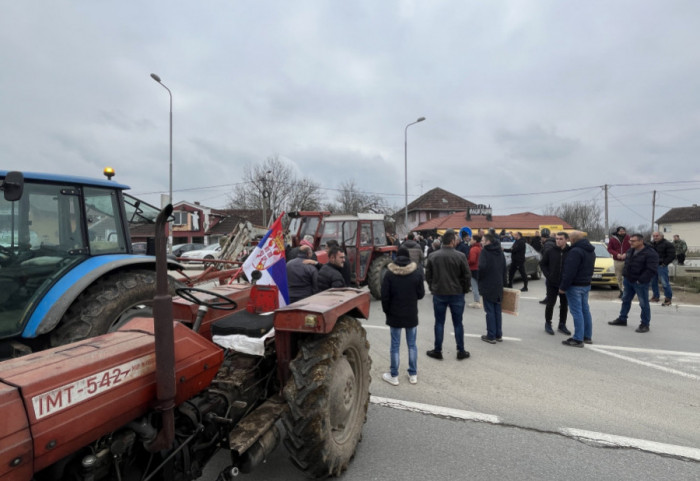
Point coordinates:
[[306, 195], [585, 216], [351, 201], [274, 184]]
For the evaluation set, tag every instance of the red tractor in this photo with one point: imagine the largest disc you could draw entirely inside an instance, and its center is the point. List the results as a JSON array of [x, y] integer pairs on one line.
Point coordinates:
[[361, 236], [156, 399]]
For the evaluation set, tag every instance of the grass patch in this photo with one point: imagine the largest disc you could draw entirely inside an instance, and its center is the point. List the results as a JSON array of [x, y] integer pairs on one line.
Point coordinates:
[[689, 283]]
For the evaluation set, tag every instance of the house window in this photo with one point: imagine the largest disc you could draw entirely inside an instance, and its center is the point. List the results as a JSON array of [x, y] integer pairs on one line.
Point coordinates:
[[180, 218]]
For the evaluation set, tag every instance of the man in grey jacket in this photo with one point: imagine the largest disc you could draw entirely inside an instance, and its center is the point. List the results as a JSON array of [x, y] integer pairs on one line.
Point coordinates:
[[302, 277], [449, 278]]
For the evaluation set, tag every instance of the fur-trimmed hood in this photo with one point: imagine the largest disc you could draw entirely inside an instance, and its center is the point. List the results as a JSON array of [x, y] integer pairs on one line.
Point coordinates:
[[402, 268]]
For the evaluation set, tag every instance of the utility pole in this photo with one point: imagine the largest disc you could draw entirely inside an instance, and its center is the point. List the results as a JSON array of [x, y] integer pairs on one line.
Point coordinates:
[[653, 210], [607, 227]]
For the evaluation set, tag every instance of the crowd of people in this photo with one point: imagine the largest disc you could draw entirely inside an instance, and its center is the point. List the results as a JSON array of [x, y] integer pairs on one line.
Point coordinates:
[[458, 263]]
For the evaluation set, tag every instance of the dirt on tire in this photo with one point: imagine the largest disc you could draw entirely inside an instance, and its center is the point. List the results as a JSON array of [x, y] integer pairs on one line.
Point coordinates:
[[107, 304], [328, 395]]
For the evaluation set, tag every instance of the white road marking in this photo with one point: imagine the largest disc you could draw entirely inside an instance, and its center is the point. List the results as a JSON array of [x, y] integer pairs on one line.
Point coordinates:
[[647, 350], [435, 410], [370, 326], [625, 442], [602, 439], [644, 363]]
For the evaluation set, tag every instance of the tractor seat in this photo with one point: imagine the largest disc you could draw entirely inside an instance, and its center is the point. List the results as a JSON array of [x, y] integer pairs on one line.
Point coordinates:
[[244, 323]]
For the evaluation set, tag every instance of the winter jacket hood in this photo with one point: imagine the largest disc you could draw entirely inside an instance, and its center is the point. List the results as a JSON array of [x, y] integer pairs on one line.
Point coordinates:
[[402, 266]]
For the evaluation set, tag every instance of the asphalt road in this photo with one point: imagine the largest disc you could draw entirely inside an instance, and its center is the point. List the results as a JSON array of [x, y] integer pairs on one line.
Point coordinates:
[[530, 407]]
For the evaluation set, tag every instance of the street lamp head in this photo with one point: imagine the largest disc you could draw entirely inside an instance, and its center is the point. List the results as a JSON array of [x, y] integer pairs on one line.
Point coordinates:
[[420, 119], [155, 77]]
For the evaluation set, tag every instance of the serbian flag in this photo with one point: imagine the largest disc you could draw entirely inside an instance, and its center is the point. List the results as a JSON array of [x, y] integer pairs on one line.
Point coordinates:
[[268, 258]]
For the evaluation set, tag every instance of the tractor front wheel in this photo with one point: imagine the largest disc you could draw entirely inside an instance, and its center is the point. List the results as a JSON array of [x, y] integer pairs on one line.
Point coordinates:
[[377, 270], [328, 395], [107, 305]]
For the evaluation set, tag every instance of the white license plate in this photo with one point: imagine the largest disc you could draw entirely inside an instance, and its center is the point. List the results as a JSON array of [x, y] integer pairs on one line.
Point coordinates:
[[597, 276]]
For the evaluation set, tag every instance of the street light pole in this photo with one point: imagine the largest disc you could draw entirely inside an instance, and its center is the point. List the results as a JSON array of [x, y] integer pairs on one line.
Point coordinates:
[[170, 189], [405, 170]]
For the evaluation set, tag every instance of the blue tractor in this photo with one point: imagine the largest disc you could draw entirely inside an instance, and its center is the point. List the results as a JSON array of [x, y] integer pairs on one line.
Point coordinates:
[[67, 269]]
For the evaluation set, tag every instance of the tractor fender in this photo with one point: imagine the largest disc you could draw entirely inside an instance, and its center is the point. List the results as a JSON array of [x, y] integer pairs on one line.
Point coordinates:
[[61, 295]]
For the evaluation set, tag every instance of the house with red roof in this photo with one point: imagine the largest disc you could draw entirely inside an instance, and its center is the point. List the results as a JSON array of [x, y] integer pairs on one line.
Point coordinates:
[[525, 222]]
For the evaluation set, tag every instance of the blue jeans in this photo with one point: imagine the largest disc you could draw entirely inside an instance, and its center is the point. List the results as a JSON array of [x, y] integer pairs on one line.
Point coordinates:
[[493, 319], [412, 350], [456, 304], [642, 293], [475, 286], [661, 273], [578, 305]]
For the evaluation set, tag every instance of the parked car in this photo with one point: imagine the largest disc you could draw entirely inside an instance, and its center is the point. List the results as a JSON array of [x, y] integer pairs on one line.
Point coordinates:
[[209, 252], [180, 249], [532, 260], [139, 248], [604, 270]]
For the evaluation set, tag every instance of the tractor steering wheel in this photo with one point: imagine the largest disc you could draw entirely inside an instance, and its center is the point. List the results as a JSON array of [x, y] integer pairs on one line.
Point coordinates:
[[225, 304]]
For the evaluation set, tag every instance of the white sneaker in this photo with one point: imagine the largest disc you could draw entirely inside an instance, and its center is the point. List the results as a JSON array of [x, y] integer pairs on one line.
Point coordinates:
[[475, 305], [394, 381], [413, 379]]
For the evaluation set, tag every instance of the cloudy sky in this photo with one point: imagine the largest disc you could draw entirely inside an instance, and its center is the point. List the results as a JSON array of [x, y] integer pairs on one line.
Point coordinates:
[[547, 98]]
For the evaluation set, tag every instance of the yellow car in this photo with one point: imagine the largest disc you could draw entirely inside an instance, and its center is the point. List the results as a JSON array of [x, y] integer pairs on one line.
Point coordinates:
[[604, 270]]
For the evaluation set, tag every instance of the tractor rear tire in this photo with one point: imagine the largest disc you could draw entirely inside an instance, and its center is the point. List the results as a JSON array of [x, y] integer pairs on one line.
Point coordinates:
[[376, 275], [328, 395], [107, 305]]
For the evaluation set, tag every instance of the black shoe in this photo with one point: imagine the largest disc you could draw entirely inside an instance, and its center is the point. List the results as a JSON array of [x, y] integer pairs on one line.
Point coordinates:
[[587, 340], [642, 328], [618, 322], [499, 339], [572, 342], [509, 286], [434, 354], [548, 328], [543, 301], [654, 299], [485, 338], [462, 355], [620, 296], [562, 328], [523, 289]]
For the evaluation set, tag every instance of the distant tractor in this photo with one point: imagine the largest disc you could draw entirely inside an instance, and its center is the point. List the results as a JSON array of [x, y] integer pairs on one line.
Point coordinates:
[[67, 269], [361, 236]]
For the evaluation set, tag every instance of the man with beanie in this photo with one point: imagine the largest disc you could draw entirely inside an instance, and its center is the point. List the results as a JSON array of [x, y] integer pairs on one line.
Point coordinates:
[[448, 276], [402, 287]]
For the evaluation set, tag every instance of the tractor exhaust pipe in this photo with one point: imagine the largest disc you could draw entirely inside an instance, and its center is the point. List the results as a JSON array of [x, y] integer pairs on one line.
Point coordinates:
[[165, 340]]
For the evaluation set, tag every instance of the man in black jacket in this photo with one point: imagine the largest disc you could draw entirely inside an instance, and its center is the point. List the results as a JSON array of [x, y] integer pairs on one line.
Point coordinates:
[[492, 277], [576, 283], [667, 253], [551, 264], [517, 261], [402, 287], [449, 278], [641, 265], [331, 274]]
